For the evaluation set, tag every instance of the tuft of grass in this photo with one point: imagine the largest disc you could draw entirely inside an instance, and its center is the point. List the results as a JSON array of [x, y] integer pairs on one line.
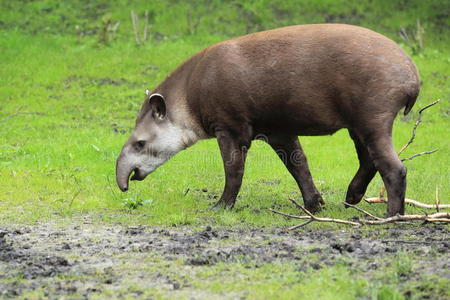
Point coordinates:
[[135, 203]]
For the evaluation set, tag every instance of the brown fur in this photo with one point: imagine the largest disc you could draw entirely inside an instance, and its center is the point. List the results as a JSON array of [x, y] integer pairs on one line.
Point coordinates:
[[298, 80]]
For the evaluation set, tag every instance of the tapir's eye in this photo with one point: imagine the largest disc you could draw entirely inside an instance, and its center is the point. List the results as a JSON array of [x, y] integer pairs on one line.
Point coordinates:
[[139, 145]]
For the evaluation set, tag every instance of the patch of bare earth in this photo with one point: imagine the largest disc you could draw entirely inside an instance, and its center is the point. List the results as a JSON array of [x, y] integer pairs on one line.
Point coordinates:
[[85, 259]]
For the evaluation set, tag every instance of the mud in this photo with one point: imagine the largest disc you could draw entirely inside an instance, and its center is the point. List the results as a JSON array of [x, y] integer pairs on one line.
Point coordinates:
[[86, 259]]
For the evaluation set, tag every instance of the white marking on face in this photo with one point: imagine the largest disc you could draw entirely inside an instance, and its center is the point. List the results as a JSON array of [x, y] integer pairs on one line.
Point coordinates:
[[168, 141]]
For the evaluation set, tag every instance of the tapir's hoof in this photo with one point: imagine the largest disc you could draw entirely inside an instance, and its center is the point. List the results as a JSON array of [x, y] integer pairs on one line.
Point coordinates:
[[221, 205], [353, 199], [314, 207]]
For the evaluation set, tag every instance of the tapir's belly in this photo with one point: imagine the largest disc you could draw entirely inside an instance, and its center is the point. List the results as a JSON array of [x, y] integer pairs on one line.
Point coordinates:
[[298, 121]]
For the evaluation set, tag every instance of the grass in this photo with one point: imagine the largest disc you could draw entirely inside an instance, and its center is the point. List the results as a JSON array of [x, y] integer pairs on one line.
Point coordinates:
[[77, 105], [68, 103]]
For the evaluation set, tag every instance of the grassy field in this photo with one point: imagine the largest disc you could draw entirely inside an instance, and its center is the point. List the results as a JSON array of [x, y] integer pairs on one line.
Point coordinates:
[[69, 94]]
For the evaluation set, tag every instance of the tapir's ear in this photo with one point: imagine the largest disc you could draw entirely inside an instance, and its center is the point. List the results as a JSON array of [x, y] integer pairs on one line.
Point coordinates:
[[157, 106]]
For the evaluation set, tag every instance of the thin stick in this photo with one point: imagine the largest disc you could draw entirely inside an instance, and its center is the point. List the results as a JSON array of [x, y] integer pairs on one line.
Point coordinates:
[[20, 112], [408, 201], [289, 215], [12, 115], [134, 20], [446, 220], [363, 211], [299, 225], [418, 121], [322, 219], [144, 36], [419, 154], [438, 217]]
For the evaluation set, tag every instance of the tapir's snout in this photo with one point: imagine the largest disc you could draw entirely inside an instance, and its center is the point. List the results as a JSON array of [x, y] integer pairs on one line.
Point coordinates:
[[123, 171], [129, 167]]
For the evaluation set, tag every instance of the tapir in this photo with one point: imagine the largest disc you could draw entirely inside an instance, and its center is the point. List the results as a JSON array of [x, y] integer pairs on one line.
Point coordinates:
[[304, 80]]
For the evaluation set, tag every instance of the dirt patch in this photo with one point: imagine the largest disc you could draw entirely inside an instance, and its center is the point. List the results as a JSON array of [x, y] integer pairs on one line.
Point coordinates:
[[95, 257], [30, 265]]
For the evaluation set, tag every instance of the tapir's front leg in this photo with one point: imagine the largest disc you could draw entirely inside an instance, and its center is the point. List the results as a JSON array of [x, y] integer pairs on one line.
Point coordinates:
[[234, 150]]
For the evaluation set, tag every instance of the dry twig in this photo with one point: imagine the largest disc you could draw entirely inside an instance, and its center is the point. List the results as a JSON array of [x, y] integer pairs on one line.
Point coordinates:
[[419, 154], [135, 21], [363, 211], [443, 217], [437, 217], [408, 201], [418, 121]]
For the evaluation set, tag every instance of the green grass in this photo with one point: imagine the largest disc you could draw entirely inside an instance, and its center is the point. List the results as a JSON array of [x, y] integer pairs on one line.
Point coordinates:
[[67, 105], [77, 105]]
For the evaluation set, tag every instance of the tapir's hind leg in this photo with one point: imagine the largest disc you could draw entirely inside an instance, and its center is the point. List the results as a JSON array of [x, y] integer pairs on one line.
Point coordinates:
[[363, 176], [291, 153], [392, 171], [376, 137]]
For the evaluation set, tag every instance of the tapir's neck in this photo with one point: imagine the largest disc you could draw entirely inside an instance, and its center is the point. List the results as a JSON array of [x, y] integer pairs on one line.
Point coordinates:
[[174, 90]]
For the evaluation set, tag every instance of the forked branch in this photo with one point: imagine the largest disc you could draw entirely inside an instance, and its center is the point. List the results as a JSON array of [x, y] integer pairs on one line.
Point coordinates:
[[442, 217], [418, 121]]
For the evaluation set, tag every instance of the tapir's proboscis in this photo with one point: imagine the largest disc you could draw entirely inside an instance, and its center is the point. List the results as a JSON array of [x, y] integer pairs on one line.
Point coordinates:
[[303, 80]]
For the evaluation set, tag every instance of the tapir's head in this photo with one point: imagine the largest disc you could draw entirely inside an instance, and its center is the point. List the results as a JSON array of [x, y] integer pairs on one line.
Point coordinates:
[[154, 140]]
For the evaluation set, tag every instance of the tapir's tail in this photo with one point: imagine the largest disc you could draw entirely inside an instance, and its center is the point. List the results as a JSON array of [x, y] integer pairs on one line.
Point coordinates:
[[413, 92], [411, 100]]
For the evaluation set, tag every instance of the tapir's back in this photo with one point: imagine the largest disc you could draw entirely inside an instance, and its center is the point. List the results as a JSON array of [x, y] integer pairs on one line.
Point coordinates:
[[309, 78]]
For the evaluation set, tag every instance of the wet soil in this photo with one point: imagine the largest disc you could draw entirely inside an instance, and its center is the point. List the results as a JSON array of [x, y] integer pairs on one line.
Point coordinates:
[[88, 258]]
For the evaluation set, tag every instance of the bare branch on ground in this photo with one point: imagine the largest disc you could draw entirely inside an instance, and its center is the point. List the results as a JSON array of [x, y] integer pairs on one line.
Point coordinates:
[[408, 201], [439, 217]]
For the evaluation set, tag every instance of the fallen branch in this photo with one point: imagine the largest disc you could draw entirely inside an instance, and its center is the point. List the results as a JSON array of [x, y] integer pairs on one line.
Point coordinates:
[[363, 211], [443, 217], [372, 200], [289, 215], [437, 217], [310, 217]]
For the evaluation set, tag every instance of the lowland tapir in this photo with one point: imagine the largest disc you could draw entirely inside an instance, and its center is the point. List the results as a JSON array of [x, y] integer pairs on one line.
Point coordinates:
[[282, 83]]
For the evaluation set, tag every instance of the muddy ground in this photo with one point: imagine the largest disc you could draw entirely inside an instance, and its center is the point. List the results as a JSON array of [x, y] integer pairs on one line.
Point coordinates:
[[87, 259]]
